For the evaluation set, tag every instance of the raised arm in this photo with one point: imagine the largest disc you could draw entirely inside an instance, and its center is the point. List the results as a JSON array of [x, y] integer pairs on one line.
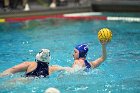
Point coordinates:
[[18, 68], [98, 61]]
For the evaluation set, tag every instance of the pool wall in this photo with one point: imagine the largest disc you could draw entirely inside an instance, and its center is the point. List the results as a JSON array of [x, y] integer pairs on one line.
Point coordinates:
[[116, 5], [45, 12]]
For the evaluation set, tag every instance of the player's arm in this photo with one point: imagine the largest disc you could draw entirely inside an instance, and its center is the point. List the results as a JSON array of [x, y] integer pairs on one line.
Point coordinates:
[[55, 68], [18, 68], [98, 61]]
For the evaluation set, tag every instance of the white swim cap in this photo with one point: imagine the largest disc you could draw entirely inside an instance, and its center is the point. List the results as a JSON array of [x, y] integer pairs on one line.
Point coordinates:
[[43, 55], [52, 90]]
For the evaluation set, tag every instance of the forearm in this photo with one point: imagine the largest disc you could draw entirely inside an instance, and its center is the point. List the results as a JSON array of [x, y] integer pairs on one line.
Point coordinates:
[[11, 70], [18, 68], [103, 57], [103, 52], [59, 68], [64, 68], [5, 73]]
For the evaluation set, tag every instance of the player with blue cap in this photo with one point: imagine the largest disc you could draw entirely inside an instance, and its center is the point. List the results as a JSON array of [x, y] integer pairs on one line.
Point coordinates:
[[80, 54]]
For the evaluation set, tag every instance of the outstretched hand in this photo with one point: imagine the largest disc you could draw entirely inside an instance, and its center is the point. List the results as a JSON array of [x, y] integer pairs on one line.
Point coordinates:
[[104, 42], [4, 74]]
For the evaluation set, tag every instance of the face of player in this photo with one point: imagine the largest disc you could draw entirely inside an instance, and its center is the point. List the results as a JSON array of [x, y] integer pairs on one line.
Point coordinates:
[[76, 54]]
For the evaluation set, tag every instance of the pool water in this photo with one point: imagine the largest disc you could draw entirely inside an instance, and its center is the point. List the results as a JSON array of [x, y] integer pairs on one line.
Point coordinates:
[[118, 74]]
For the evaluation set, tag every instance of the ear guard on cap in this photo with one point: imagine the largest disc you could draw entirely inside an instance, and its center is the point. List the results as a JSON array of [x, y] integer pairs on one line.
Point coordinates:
[[43, 55]]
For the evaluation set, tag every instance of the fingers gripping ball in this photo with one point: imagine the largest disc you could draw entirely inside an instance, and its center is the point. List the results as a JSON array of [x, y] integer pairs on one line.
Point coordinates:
[[105, 34]]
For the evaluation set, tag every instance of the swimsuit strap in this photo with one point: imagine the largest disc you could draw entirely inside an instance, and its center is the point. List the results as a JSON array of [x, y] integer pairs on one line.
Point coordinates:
[[87, 64]]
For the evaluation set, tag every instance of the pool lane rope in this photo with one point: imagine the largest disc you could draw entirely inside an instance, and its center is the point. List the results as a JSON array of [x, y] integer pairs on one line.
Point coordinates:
[[74, 16], [97, 15], [130, 19]]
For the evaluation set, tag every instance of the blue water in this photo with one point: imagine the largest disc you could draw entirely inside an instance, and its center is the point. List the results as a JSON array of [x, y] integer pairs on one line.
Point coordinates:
[[120, 73]]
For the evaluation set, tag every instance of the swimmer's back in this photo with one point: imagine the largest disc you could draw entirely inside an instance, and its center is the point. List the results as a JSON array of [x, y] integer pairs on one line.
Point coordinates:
[[39, 69]]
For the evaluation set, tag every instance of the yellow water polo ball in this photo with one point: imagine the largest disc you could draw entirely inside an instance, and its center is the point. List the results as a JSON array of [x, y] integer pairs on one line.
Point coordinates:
[[105, 34]]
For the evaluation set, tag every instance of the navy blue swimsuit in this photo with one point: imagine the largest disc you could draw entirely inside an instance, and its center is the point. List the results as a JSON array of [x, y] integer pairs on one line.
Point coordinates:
[[41, 70], [88, 66]]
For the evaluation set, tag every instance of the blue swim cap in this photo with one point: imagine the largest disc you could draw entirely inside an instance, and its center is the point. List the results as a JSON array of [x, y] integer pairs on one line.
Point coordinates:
[[83, 49]]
